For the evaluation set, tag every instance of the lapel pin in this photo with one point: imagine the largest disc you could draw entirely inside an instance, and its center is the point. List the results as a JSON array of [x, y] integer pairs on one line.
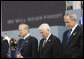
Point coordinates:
[[49, 39], [74, 33], [26, 41]]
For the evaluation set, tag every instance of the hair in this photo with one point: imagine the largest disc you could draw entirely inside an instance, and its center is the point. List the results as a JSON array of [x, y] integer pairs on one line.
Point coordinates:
[[19, 35], [44, 26], [11, 36], [72, 16], [5, 33], [26, 27]]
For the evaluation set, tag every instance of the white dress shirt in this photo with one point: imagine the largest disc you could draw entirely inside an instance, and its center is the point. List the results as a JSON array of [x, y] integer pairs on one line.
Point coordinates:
[[48, 37], [74, 28], [26, 36]]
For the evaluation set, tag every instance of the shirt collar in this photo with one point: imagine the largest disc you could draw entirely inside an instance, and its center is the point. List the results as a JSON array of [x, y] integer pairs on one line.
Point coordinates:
[[74, 27], [26, 36], [48, 37]]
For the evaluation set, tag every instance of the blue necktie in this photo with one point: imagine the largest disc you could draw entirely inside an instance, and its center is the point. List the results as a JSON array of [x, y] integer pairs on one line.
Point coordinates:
[[68, 35], [23, 41]]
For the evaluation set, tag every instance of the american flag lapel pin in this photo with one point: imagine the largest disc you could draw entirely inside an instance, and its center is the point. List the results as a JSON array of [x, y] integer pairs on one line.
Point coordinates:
[[74, 33], [49, 39], [26, 41]]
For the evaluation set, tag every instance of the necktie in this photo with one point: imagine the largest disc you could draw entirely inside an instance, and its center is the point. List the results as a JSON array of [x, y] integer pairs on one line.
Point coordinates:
[[23, 41], [68, 35], [44, 42]]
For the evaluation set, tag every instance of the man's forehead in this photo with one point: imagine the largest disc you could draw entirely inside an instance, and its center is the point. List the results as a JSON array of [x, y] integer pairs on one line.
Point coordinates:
[[67, 17], [42, 30], [21, 27]]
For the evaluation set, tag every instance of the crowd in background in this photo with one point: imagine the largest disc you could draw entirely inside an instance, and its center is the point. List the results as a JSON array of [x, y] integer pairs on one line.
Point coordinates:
[[13, 45]]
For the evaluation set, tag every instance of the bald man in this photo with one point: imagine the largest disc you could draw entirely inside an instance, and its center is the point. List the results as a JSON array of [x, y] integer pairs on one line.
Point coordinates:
[[50, 46], [30, 44]]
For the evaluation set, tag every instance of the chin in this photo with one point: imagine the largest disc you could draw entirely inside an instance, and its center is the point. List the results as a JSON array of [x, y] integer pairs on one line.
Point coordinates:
[[70, 28]]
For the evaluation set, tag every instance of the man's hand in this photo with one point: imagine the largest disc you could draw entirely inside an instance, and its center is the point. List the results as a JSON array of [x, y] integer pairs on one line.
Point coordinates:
[[19, 56]]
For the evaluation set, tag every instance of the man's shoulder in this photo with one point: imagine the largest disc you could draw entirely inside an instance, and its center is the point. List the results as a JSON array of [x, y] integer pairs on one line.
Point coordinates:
[[32, 38], [53, 36], [4, 39], [80, 28]]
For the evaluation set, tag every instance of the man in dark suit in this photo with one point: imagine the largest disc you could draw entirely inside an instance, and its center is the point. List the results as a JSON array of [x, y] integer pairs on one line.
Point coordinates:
[[50, 46], [72, 43], [30, 44], [4, 47]]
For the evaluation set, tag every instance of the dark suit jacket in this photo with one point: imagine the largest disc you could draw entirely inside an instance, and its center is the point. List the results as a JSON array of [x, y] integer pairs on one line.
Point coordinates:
[[30, 48], [74, 48], [4, 48], [52, 48], [2, 38]]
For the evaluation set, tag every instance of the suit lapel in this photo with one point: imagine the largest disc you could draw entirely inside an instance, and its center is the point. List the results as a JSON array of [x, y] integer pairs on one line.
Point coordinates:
[[26, 41], [48, 42], [41, 47], [64, 40], [41, 43], [74, 34]]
